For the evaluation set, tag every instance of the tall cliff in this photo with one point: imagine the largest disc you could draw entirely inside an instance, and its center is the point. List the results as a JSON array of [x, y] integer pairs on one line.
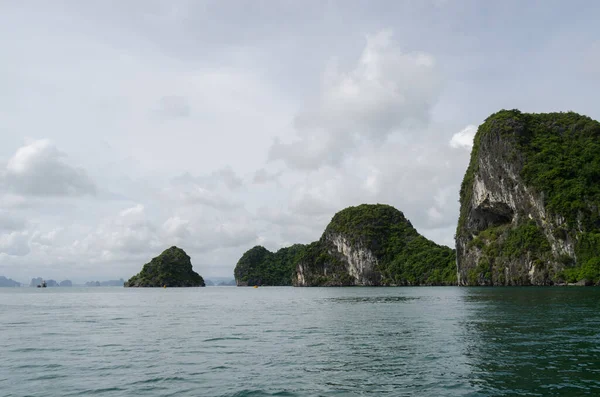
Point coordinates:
[[373, 245], [530, 201]]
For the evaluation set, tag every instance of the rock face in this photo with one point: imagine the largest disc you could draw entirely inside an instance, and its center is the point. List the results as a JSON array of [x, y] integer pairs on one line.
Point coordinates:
[[374, 245], [259, 266], [530, 201], [172, 268], [66, 283]]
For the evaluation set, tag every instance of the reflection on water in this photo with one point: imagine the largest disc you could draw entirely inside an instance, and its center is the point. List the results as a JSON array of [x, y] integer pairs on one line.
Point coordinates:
[[425, 341], [533, 341], [372, 299]]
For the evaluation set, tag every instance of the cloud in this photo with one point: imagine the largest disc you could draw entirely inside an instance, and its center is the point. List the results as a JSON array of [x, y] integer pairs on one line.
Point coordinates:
[[201, 196], [216, 190], [177, 228], [262, 176], [201, 236], [464, 138], [39, 169], [225, 176], [234, 233], [315, 199], [11, 222], [15, 243], [282, 227], [173, 107], [228, 177], [130, 234], [386, 91]]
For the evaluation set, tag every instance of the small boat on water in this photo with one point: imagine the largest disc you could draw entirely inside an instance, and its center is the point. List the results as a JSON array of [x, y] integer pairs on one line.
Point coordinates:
[[42, 285]]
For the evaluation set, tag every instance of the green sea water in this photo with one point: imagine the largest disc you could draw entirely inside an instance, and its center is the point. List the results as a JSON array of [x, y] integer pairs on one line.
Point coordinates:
[[227, 341]]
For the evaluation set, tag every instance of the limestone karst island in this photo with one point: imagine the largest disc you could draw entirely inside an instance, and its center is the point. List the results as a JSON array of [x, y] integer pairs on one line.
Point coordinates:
[[172, 268], [363, 245], [529, 215], [530, 202]]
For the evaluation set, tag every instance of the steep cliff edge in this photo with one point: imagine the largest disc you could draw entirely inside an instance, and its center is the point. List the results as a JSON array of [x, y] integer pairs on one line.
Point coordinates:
[[373, 245], [530, 201]]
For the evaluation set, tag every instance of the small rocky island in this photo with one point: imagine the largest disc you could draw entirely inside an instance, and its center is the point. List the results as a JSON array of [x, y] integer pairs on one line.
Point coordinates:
[[530, 202], [172, 268], [371, 244]]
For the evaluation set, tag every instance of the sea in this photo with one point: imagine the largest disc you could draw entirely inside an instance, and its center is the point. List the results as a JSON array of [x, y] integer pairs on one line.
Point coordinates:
[[285, 341]]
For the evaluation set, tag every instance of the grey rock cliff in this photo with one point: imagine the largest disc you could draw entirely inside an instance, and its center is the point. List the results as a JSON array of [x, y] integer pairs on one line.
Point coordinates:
[[372, 245], [348, 264], [507, 233]]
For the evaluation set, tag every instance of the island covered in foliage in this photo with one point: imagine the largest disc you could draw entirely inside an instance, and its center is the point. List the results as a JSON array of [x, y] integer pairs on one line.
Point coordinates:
[[371, 244], [530, 201], [172, 268], [259, 266]]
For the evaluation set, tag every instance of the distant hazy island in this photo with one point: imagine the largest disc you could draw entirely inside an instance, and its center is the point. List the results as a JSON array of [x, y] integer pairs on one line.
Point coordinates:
[[50, 283], [172, 268], [371, 244], [108, 283], [8, 282]]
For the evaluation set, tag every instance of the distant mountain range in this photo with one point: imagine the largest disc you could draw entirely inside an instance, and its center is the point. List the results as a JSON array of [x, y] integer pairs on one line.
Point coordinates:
[[50, 283], [220, 282], [8, 282], [110, 283]]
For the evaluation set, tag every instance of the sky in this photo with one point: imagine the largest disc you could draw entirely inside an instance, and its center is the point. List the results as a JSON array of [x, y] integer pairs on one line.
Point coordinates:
[[127, 127]]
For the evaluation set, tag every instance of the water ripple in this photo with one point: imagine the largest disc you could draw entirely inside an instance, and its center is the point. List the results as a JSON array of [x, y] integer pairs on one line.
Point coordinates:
[[300, 342]]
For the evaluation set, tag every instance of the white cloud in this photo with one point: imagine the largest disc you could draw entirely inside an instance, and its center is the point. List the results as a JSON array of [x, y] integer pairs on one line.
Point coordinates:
[[129, 235], [464, 138], [11, 222], [386, 91], [434, 214], [308, 199], [201, 196], [15, 243], [225, 176], [173, 107], [262, 176], [228, 177], [177, 228], [39, 169], [45, 239]]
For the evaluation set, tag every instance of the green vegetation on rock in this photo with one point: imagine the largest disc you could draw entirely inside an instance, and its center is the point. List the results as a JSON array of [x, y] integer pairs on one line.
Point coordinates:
[[363, 245], [401, 256], [172, 268], [259, 266], [535, 218]]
